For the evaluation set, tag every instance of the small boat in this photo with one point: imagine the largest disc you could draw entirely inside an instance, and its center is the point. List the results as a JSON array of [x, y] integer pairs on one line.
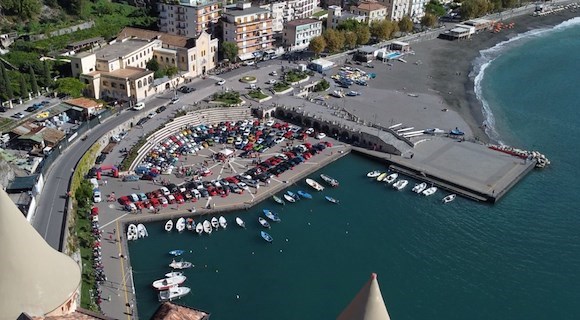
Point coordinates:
[[180, 264], [434, 131], [391, 178], [173, 274], [289, 198], [199, 228], [215, 223], [189, 224], [240, 222], [429, 191], [400, 185], [419, 187], [263, 222], [207, 227], [271, 215], [456, 132], [315, 185], [331, 199], [164, 284], [168, 225], [266, 236], [222, 221], [180, 224], [132, 232], [382, 176], [278, 200], [331, 181], [304, 194], [176, 252], [142, 231], [293, 195], [449, 198], [373, 174], [173, 293]]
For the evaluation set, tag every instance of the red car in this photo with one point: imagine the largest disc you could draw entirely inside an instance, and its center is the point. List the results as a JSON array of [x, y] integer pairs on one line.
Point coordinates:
[[179, 198], [124, 200]]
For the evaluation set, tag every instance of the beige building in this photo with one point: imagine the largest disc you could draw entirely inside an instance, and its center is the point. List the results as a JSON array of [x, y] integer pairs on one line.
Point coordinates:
[[118, 71], [298, 33], [336, 16], [249, 27], [188, 17], [372, 11]]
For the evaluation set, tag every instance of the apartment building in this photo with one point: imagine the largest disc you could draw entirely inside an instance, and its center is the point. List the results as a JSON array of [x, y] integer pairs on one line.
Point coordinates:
[[396, 9], [188, 17], [336, 16], [417, 9], [298, 33], [372, 11], [249, 27]]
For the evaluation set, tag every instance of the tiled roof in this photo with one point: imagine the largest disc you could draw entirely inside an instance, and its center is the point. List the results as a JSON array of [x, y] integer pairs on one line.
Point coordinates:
[[170, 311], [83, 103], [370, 6], [166, 38]]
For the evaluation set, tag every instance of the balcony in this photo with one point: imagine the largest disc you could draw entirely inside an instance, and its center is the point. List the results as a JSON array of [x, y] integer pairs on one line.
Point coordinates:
[[180, 17], [181, 26]]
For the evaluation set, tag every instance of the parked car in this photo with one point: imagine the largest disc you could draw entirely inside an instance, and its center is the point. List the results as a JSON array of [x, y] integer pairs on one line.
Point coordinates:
[[130, 178], [161, 109], [221, 82], [97, 196]]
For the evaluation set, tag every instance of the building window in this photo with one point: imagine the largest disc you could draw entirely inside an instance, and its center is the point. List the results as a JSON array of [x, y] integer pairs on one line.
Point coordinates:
[[167, 59], [122, 86], [172, 61], [105, 83], [77, 65], [139, 84], [86, 81], [150, 79], [113, 84]]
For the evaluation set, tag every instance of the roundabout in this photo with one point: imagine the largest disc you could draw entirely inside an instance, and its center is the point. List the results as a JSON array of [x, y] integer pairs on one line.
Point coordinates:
[[248, 79]]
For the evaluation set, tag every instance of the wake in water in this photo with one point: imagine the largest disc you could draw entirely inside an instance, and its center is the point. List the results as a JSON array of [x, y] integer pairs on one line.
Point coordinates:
[[487, 56]]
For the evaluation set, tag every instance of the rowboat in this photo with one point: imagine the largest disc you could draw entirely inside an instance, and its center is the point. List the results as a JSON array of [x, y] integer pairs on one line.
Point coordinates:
[[331, 199], [331, 181], [240, 222], [373, 174], [315, 185], [176, 252], [222, 221], [142, 231], [382, 177], [180, 225], [189, 224], [419, 187], [263, 222], [173, 274], [180, 264], [430, 191], [215, 223], [266, 236], [293, 195], [168, 225], [271, 215], [173, 293], [289, 198], [304, 194], [400, 185], [199, 228], [278, 200], [207, 227], [132, 232], [449, 198], [391, 178], [164, 284]]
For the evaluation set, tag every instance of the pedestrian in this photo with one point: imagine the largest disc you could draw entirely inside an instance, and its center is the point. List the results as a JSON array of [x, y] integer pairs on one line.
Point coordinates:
[[114, 231]]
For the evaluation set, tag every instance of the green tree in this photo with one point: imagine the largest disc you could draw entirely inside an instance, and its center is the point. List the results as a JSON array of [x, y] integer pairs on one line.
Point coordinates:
[[435, 8], [23, 87], [46, 75], [363, 35], [317, 45], [350, 25], [429, 20], [406, 24], [70, 87], [230, 50], [350, 39], [380, 30], [510, 3], [474, 8], [33, 82], [9, 93], [152, 65], [334, 40], [23, 9], [171, 71]]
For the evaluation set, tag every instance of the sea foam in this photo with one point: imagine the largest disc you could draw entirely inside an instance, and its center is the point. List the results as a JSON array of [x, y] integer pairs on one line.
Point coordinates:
[[487, 56]]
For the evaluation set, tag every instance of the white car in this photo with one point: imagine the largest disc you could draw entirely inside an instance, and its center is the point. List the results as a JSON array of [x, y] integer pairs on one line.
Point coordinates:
[[270, 123], [321, 135], [271, 81], [273, 73], [174, 100], [139, 106], [97, 196], [221, 82], [279, 140], [310, 131], [165, 191], [151, 115], [249, 63], [242, 185]]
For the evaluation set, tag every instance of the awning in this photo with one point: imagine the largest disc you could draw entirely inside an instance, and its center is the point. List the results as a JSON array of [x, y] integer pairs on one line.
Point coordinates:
[[246, 56], [226, 152]]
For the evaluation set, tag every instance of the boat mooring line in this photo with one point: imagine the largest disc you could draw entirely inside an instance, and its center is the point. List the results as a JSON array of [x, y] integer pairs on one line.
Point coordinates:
[[113, 221]]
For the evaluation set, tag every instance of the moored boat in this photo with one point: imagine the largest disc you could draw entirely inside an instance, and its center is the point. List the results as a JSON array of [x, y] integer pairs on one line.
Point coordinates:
[[289, 198], [400, 185], [180, 264], [419, 187], [429, 191], [331, 199], [168, 225], [315, 185], [373, 174], [278, 200], [266, 236], [304, 194], [132, 232], [222, 221], [293, 195], [199, 228], [180, 225], [173, 274], [215, 223], [331, 181], [271, 215], [263, 222], [449, 198], [142, 231], [176, 252], [189, 224], [164, 284], [240, 222], [382, 176], [207, 227], [391, 178], [173, 293]]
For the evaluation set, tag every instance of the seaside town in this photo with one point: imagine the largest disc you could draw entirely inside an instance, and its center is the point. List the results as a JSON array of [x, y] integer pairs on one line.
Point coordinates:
[[119, 115]]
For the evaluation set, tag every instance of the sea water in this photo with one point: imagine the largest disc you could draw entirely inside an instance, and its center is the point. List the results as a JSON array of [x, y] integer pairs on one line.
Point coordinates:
[[517, 259]]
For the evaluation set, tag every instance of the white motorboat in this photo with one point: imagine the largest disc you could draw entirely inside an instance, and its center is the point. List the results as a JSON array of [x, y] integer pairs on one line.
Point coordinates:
[[419, 187], [180, 225], [223, 222], [381, 176], [429, 191], [400, 185], [215, 223], [180, 264], [240, 222], [168, 225], [142, 231], [173, 274], [331, 181], [315, 185], [199, 228], [207, 227], [391, 178], [449, 198], [289, 198], [132, 232], [173, 293], [263, 222], [164, 284], [373, 174]]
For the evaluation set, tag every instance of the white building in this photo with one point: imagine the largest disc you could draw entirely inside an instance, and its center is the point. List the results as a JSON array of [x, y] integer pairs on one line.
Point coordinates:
[[285, 11], [188, 17], [373, 11], [336, 16], [298, 33], [417, 9], [396, 9]]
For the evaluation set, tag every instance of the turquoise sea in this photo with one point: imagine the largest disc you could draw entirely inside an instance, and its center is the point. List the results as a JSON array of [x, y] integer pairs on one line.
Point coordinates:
[[517, 259]]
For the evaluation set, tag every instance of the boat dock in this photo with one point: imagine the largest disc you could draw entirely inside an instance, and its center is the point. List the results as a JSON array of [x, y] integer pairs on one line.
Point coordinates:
[[468, 169]]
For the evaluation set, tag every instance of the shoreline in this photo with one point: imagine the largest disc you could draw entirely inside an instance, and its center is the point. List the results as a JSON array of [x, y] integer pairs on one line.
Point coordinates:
[[452, 65]]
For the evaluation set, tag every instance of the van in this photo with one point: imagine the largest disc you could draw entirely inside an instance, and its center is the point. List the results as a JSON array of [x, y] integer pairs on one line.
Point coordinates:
[[139, 106]]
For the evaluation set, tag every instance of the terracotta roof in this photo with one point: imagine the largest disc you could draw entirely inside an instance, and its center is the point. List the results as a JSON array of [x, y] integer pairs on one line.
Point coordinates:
[[300, 22], [83, 103], [128, 73], [170, 311], [370, 6], [166, 38], [80, 314]]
